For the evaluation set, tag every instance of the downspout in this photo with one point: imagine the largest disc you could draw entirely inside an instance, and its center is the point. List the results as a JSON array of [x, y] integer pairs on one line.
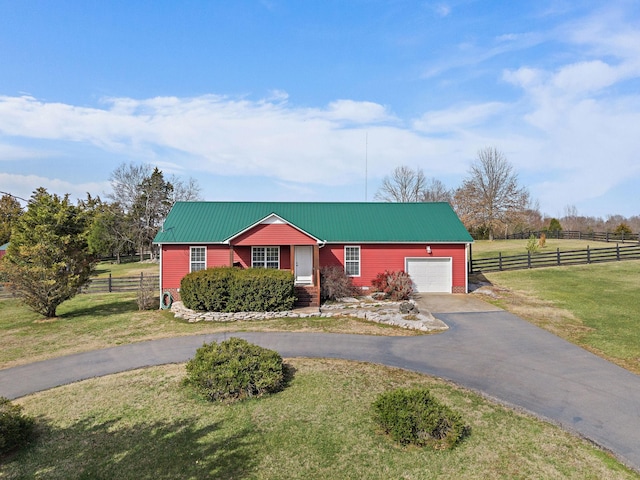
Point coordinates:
[[160, 273], [320, 245], [467, 267]]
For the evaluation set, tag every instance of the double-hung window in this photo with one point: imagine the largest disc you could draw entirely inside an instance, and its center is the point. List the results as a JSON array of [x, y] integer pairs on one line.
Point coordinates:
[[198, 259], [265, 257], [352, 260]]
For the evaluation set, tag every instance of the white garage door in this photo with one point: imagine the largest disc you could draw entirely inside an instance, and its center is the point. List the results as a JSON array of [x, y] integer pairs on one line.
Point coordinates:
[[430, 275]]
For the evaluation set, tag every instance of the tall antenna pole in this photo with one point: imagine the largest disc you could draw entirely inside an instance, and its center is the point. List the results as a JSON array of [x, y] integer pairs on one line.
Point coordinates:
[[366, 163]]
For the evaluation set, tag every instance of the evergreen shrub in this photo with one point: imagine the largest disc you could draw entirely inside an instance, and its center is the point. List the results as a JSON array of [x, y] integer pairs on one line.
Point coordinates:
[[231, 289], [234, 370], [413, 416], [532, 244], [16, 429]]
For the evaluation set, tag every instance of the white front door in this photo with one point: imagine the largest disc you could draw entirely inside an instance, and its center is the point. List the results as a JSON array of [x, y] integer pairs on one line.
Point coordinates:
[[304, 264]]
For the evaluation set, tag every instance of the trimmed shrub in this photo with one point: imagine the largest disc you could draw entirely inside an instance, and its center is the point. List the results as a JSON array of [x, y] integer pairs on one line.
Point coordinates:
[[395, 286], [207, 290], [413, 416], [16, 429], [261, 290], [230, 289], [335, 284], [234, 370]]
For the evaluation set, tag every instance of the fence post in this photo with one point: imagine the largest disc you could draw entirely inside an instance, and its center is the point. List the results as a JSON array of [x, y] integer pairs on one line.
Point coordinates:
[[470, 259], [558, 252], [618, 251], [110, 286], [607, 237], [500, 260], [529, 259], [588, 255], [141, 279]]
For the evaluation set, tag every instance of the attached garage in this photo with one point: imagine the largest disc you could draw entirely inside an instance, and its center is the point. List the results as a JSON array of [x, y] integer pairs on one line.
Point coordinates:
[[431, 275]]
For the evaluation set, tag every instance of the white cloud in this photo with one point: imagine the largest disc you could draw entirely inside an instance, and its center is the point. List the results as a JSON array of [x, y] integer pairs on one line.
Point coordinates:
[[24, 185], [456, 118]]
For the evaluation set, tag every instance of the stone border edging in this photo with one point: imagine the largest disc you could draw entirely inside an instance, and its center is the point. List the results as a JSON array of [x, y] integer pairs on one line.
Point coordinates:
[[379, 312]]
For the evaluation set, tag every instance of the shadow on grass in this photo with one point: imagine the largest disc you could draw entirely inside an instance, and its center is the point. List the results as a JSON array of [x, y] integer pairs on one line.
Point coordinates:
[[477, 280], [105, 307], [114, 449]]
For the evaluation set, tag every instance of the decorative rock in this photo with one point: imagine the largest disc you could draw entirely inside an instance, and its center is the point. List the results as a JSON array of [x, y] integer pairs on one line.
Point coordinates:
[[387, 312], [408, 307]]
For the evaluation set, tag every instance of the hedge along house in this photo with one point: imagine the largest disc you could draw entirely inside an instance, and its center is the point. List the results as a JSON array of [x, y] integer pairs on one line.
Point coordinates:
[[427, 240]]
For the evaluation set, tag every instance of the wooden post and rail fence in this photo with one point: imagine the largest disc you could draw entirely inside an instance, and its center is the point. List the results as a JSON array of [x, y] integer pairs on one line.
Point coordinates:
[[554, 259], [110, 284]]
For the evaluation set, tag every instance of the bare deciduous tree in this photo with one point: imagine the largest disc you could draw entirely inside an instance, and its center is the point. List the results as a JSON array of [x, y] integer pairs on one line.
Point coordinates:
[[436, 191], [125, 183], [404, 185], [184, 191], [490, 197]]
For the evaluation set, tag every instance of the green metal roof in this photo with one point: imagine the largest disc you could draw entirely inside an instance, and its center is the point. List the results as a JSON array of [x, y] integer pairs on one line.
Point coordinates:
[[217, 222]]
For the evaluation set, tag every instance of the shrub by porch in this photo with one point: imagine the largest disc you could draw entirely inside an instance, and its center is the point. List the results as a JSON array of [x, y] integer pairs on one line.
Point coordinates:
[[229, 289]]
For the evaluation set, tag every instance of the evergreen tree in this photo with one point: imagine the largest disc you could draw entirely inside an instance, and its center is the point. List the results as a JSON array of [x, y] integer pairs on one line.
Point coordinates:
[[10, 211], [48, 260]]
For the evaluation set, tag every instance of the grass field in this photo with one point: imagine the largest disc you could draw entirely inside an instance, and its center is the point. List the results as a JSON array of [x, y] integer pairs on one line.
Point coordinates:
[[487, 249], [319, 427], [126, 269]]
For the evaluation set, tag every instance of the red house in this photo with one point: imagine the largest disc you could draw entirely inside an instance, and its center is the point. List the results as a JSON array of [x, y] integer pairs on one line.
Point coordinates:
[[427, 240]]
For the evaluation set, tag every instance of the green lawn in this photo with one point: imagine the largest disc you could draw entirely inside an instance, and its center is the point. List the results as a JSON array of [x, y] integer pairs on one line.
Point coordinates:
[[319, 427], [596, 306], [126, 269], [487, 249]]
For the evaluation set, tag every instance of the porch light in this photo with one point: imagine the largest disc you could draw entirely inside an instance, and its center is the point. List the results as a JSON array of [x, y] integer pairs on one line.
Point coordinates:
[[429, 249]]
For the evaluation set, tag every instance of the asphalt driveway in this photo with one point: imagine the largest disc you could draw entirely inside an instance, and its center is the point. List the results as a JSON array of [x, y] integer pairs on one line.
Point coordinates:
[[485, 349]]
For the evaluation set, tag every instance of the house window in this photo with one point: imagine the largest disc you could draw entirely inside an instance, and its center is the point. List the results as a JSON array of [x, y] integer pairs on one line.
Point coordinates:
[[352, 261], [265, 257], [198, 259]]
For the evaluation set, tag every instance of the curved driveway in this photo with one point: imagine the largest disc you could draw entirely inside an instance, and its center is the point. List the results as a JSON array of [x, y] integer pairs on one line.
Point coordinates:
[[485, 349]]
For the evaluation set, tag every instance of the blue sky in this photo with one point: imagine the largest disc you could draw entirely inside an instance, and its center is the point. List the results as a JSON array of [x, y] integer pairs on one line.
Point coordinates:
[[318, 100]]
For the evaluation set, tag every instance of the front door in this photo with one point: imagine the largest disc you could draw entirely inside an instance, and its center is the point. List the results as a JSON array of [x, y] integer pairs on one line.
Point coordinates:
[[304, 264]]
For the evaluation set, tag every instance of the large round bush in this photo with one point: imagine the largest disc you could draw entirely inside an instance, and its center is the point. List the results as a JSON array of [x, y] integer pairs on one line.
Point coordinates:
[[234, 370], [413, 416], [15, 428]]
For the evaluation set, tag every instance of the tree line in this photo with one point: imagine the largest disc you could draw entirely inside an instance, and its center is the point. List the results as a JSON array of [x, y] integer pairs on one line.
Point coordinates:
[[491, 201]]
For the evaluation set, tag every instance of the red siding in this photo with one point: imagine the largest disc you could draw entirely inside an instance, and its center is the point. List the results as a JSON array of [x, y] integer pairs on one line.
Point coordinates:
[[378, 258], [373, 259], [175, 260], [273, 234]]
